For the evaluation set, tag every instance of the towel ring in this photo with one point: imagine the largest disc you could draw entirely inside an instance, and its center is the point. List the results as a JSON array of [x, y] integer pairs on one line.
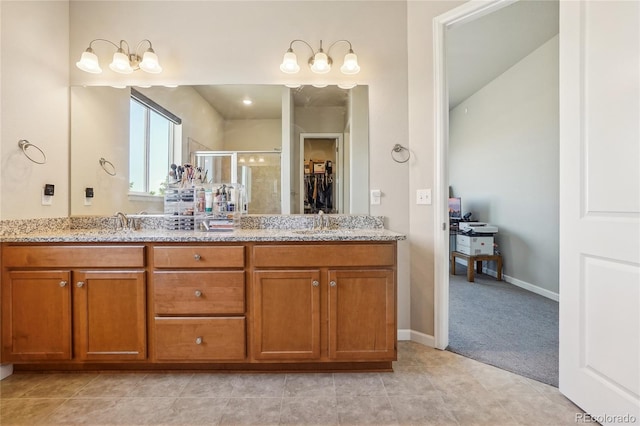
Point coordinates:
[[106, 165], [24, 144], [396, 152]]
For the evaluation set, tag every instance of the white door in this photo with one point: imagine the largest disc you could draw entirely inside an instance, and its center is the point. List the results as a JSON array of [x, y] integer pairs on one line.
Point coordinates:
[[600, 208]]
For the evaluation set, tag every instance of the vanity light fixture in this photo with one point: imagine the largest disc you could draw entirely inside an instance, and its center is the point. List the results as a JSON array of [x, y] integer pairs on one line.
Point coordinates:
[[124, 61], [320, 62]]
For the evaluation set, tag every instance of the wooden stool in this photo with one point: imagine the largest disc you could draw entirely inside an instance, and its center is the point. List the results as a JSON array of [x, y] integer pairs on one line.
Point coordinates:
[[478, 258]]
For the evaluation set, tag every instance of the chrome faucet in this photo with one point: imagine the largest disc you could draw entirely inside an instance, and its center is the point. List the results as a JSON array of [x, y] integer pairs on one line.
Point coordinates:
[[320, 222], [122, 219]]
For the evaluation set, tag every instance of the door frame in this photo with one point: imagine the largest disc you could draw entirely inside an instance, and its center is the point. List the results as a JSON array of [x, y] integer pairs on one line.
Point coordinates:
[[339, 138], [451, 19]]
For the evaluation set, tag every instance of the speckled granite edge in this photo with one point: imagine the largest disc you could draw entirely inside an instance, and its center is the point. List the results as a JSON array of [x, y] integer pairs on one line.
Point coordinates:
[[26, 226], [157, 222], [109, 222], [306, 222]]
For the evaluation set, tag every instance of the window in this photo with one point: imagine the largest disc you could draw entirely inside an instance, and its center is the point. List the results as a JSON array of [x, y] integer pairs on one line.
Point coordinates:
[[151, 145]]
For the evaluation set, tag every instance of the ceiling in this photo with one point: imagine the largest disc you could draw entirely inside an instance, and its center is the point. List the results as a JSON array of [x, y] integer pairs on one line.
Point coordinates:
[[481, 50], [267, 99]]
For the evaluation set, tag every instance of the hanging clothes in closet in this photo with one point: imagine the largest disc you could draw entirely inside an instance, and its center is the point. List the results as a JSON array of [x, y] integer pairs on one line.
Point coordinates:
[[318, 188]]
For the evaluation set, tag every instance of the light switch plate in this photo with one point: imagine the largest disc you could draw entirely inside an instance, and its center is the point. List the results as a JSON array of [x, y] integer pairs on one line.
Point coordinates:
[[375, 197], [423, 196]]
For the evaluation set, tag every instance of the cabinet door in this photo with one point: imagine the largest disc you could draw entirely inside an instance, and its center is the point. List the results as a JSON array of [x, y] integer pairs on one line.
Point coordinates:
[[110, 315], [36, 316], [286, 315], [362, 315]]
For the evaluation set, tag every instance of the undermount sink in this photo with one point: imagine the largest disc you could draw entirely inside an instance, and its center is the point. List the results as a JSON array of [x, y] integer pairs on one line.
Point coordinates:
[[322, 231]]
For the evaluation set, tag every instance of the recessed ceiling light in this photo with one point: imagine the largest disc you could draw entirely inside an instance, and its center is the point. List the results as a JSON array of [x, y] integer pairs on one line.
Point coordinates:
[[247, 101]]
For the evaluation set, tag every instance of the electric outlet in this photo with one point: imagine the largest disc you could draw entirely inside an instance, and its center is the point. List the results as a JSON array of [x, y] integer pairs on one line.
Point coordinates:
[[423, 196], [375, 197], [87, 201]]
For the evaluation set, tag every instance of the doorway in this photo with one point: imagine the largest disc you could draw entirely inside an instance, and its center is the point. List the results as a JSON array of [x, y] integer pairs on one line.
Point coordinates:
[[321, 171], [443, 26]]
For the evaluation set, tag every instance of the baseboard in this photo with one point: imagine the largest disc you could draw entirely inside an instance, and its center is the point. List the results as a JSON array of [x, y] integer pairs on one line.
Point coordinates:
[[6, 371], [524, 285], [423, 339], [404, 334]]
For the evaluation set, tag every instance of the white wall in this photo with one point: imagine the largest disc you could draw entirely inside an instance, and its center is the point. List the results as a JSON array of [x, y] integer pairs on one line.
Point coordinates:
[[35, 106], [504, 163]]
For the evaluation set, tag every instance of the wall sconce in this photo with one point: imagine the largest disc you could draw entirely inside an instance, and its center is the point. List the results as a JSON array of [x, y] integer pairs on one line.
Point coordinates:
[[320, 62], [124, 61]]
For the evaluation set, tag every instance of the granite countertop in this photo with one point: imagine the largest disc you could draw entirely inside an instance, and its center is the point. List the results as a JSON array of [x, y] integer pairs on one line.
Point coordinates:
[[237, 235], [254, 229]]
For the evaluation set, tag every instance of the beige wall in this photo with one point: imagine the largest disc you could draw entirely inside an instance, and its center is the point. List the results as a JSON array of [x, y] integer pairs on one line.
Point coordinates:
[[253, 135], [202, 43], [34, 97]]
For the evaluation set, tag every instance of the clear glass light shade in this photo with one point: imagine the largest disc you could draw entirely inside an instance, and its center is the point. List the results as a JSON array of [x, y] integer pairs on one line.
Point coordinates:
[[120, 63], [321, 63], [350, 65], [150, 62], [89, 62], [289, 63]]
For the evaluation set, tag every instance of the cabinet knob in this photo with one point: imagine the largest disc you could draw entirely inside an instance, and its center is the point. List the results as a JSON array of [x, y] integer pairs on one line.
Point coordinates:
[[196, 256], [198, 340], [332, 284], [198, 293], [80, 284], [315, 283], [63, 283]]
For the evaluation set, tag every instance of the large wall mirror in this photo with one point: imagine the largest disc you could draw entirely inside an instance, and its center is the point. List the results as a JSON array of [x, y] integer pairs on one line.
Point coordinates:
[[298, 150]]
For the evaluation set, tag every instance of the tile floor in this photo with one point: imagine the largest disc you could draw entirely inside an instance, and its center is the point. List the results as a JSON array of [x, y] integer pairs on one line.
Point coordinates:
[[427, 387]]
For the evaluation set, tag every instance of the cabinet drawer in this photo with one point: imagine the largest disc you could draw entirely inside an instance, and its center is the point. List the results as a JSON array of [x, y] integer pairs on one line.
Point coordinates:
[[283, 255], [199, 257], [74, 256], [198, 292], [201, 339]]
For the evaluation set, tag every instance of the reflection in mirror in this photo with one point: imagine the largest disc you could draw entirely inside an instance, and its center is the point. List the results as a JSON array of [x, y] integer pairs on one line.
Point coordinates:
[[214, 119]]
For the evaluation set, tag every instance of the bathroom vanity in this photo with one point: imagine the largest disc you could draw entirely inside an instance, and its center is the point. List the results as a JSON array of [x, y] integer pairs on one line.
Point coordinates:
[[248, 300]]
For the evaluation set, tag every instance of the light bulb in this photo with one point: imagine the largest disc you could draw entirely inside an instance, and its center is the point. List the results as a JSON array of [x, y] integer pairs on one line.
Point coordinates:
[[350, 65], [321, 64], [150, 62], [89, 62], [289, 63], [120, 63]]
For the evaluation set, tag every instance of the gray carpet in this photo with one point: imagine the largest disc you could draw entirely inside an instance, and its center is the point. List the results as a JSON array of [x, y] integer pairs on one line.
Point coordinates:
[[502, 325]]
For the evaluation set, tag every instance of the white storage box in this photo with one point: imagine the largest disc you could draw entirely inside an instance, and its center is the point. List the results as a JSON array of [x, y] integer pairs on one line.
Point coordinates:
[[473, 245]]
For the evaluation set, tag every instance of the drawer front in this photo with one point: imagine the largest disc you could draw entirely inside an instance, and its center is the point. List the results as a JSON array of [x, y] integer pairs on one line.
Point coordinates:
[[198, 292], [74, 256], [198, 257], [463, 240], [283, 255], [200, 339]]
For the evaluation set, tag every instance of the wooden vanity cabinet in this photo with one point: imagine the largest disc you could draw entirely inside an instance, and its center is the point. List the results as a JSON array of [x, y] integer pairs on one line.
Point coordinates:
[[199, 303], [324, 302], [286, 315], [82, 303], [36, 315]]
